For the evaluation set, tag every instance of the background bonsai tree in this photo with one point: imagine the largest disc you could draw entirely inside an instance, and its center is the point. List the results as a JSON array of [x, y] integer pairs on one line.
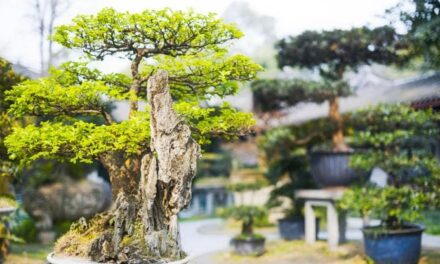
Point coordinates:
[[288, 166], [333, 53], [247, 214], [178, 59], [398, 139]]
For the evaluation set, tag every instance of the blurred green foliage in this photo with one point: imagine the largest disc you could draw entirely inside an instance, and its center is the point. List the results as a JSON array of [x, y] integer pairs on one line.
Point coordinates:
[[422, 21], [276, 94], [333, 52], [398, 139], [246, 214]]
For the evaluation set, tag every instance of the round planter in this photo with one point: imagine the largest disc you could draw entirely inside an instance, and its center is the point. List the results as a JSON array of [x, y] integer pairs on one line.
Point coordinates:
[[331, 169], [249, 246], [393, 246], [294, 228], [55, 259]]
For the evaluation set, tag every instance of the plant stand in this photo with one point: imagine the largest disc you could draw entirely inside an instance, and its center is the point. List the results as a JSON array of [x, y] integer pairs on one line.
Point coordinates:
[[336, 222]]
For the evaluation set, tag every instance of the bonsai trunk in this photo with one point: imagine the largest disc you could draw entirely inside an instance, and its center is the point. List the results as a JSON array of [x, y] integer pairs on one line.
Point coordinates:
[[148, 192], [338, 140], [247, 227]]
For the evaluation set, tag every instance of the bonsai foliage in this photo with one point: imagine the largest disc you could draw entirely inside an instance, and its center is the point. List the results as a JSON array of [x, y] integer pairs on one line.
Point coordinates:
[[8, 78], [398, 139], [332, 53], [246, 214], [422, 20], [288, 174], [275, 94], [178, 60]]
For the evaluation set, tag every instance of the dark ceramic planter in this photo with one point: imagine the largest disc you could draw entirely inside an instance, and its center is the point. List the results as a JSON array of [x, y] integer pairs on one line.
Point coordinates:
[[393, 246], [249, 246], [293, 228], [331, 169]]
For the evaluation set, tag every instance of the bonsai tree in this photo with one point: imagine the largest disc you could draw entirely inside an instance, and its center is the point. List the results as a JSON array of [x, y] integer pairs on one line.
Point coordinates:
[[287, 164], [398, 139], [178, 60], [247, 215], [333, 53]]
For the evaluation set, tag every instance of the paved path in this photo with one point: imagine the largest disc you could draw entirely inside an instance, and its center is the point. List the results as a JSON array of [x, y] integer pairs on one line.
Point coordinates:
[[196, 242], [205, 236]]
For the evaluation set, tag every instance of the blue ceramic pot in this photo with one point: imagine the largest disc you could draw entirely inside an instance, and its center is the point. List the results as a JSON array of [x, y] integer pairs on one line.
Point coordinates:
[[393, 246]]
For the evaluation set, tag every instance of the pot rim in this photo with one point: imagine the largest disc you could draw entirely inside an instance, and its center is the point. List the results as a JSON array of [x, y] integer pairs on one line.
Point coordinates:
[[291, 219], [410, 229], [250, 239], [52, 259]]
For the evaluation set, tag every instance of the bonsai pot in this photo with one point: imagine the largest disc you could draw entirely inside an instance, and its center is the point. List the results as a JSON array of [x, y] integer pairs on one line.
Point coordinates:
[[293, 228], [248, 246], [331, 168], [393, 246], [56, 259]]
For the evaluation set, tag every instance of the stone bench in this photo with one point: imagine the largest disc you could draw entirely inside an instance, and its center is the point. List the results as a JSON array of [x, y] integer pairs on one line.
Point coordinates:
[[336, 221]]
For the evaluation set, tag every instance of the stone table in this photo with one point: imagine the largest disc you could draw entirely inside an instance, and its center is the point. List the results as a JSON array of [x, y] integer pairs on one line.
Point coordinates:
[[336, 222]]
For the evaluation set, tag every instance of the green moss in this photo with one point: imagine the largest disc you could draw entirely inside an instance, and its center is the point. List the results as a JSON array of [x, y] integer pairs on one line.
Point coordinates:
[[249, 236], [77, 241]]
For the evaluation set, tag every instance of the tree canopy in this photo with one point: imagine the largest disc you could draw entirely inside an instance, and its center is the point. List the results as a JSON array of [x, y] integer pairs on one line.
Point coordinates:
[[277, 94], [422, 20], [8, 78], [333, 52], [191, 47]]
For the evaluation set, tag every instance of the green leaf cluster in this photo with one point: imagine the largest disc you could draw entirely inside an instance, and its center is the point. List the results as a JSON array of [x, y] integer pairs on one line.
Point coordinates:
[[422, 20], [203, 75], [276, 94], [78, 141], [164, 31], [8, 78], [333, 52], [244, 213], [398, 139]]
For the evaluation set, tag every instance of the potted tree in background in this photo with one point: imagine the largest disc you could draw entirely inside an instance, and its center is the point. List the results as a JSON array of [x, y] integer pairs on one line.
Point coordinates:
[[288, 175], [178, 59], [247, 243], [333, 53], [288, 171], [397, 139]]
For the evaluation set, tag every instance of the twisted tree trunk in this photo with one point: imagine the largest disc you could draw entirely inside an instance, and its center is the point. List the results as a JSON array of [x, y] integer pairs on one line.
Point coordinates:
[[148, 193], [338, 140], [166, 174]]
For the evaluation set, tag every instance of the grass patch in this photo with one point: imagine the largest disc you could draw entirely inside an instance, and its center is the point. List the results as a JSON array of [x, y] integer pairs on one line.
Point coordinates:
[[298, 252]]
